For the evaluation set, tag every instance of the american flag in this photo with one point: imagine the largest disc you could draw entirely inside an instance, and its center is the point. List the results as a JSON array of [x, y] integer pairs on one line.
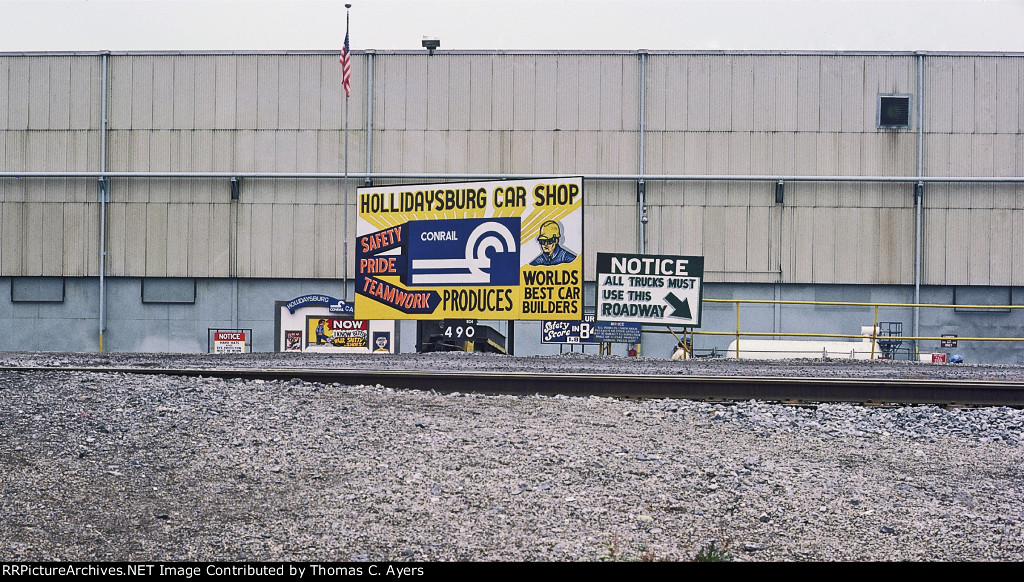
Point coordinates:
[[346, 67]]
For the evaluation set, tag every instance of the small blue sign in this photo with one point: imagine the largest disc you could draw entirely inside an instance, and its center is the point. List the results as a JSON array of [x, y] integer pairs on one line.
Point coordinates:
[[333, 305], [617, 332]]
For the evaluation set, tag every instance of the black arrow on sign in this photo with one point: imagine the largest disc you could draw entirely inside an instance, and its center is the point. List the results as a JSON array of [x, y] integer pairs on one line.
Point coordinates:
[[680, 308]]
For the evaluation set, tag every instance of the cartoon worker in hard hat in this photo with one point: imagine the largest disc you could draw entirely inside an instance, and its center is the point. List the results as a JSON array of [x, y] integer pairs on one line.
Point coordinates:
[[321, 333], [550, 252]]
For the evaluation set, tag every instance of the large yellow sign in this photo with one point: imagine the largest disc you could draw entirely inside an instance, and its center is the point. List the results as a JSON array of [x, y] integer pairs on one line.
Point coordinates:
[[481, 250]]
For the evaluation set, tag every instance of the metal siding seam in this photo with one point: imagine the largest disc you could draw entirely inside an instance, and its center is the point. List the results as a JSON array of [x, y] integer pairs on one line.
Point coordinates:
[[416, 94], [267, 93], [698, 94], [523, 99], [205, 102], [163, 95], [5, 96], [437, 92], [225, 92], [184, 93], [985, 95], [60, 93], [591, 92], [247, 93], [546, 75], [567, 84], [156, 239], [18, 93]]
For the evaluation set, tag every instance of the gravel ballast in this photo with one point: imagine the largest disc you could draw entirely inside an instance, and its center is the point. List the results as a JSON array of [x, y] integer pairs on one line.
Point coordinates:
[[121, 467]]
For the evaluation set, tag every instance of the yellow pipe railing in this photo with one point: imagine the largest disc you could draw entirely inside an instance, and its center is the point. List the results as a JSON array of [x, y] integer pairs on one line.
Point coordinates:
[[846, 335], [874, 333], [860, 304]]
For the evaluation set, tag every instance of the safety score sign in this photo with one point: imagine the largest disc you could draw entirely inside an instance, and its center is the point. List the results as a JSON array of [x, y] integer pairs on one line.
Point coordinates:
[[649, 289], [590, 331], [509, 249]]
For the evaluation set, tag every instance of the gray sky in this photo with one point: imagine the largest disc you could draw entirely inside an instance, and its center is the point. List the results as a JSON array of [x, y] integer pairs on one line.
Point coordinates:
[[890, 25]]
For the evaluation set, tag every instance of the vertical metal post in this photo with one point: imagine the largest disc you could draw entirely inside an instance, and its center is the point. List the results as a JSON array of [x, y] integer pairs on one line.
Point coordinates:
[[103, 188], [344, 251], [777, 292], [344, 202], [641, 188], [234, 302], [510, 339], [641, 198], [737, 329], [874, 333], [369, 118], [918, 200]]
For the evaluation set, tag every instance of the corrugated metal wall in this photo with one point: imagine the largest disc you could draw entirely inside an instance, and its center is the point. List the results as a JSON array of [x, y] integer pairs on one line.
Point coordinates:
[[761, 114], [231, 113], [496, 113], [974, 234], [517, 114], [49, 121]]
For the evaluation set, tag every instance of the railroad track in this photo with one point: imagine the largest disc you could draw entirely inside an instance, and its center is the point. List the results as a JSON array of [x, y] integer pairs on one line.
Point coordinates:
[[942, 392]]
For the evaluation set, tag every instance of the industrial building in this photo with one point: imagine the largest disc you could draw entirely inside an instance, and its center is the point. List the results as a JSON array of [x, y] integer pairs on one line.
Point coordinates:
[[147, 198]]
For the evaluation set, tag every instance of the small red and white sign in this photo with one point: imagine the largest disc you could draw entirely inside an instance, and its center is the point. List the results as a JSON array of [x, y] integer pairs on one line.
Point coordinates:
[[229, 342]]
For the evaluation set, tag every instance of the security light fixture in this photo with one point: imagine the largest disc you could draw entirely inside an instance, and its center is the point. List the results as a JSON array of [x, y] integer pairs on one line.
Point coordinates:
[[780, 191], [431, 43]]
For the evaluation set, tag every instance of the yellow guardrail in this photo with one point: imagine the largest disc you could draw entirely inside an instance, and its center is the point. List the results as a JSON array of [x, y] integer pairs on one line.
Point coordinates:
[[873, 337]]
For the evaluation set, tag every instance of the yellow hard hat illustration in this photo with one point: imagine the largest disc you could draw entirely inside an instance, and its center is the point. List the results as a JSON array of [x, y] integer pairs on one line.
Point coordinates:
[[550, 230]]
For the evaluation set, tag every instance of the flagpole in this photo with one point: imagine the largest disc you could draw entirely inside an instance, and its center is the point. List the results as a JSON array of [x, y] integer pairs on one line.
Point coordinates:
[[345, 196]]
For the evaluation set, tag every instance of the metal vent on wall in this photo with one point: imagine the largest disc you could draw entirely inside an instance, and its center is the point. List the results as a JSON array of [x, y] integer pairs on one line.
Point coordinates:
[[894, 111]]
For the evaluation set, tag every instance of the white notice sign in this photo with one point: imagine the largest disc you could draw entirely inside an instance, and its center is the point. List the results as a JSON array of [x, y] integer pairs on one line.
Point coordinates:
[[229, 342], [649, 289]]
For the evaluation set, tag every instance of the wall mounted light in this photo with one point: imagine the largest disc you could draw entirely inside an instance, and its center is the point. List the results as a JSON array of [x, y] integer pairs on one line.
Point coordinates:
[[780, 191], [103, 188], [431, 43], [236, 187]]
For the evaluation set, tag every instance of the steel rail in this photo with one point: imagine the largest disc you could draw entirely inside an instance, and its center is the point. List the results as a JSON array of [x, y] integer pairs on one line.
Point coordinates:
[[943, 392]]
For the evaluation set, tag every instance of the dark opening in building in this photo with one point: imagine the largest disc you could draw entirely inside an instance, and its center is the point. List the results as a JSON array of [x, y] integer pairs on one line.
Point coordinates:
[[894, 111]]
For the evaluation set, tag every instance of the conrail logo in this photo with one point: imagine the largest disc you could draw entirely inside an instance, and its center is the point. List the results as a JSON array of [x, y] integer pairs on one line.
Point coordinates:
[[464, 252]]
